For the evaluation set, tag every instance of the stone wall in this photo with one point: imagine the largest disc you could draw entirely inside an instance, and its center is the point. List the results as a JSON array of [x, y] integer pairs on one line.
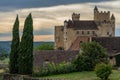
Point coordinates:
[[56, 56], [59, 38]]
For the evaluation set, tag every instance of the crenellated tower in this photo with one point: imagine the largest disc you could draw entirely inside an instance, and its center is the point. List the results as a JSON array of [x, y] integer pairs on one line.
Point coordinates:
[[101, 16], [75, 17], [105, 21]]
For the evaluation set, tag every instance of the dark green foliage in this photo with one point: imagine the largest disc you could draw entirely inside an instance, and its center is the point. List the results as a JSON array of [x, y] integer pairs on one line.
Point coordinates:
[[92, 54], [25, 60], [3, 53], [117, 57], [46, 46], [13, 66], [83, 63], [103, 71], [52, 69]]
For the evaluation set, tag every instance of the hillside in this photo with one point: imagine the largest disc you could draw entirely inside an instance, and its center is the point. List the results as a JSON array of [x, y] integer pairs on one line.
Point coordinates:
[[5, 45]]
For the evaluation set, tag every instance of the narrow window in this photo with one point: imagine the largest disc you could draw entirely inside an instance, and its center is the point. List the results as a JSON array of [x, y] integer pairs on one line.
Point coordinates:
[[82, 32], [88, 32], [66, 32], [93, 32], [77, 32]]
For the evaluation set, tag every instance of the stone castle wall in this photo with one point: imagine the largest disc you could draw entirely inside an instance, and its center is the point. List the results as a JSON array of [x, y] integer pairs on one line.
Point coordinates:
[[56, 56], [59, 38]]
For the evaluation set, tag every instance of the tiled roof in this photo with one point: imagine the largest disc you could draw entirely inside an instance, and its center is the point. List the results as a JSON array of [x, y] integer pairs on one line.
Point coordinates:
[[82, 25], [79, 39], [111, 44]]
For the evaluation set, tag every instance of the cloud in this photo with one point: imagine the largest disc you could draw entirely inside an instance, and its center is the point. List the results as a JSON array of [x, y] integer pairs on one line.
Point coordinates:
[[45, 18], [7, 5]]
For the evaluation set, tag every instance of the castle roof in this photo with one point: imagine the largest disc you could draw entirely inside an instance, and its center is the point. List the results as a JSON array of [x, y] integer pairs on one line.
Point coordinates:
[[82, 25], [111, 44]]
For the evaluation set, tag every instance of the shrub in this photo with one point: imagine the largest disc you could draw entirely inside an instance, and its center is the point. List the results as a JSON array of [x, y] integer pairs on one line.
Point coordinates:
[[82, 63], [103, 71], [92, 54], [52, 69], [117, 57]]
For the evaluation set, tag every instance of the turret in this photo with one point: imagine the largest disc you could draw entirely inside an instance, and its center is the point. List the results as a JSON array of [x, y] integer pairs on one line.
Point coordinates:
[[95, 9], [112, 17], [75, 17], [96, 12]]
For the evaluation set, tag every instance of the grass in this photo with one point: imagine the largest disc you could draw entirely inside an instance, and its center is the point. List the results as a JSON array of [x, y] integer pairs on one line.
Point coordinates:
[[84, 76]]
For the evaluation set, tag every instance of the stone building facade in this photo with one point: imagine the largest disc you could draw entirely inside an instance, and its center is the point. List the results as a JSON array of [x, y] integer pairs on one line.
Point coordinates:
[[103, 25]]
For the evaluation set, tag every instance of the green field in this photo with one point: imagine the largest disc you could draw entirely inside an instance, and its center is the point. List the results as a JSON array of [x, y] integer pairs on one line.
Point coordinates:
[[84, 76]]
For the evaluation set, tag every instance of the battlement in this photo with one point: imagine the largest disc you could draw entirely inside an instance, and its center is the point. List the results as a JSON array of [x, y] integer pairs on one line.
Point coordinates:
[[75, 17], [101, 16], [104, 12]]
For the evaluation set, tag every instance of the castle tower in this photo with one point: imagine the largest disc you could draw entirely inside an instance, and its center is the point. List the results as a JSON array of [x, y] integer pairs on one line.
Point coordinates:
[[113, 24], [75, 17], [101, 16], [96, 13]]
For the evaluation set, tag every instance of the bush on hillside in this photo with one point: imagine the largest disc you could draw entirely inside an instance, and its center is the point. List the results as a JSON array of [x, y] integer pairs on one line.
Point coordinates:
[[103, 71], [46, 46]]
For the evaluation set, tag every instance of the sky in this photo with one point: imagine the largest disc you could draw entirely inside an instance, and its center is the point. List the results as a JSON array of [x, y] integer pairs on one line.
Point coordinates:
[[49, 13]]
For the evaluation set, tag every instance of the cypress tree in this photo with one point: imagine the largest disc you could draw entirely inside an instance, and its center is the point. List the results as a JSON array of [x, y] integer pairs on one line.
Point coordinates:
[[25, 60], [13, 67]]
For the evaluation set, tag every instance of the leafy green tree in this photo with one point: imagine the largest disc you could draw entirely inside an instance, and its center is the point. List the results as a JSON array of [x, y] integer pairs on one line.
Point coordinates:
[[92, 53], [103, 71], [13, 66], [25, 60], [46, 46]]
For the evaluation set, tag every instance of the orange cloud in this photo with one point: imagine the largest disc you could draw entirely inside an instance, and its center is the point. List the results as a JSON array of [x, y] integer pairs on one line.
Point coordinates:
[[44, 38]]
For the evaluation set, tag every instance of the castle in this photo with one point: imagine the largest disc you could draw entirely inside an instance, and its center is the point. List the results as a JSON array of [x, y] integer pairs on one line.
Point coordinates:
[[103, 25], [69, 37]]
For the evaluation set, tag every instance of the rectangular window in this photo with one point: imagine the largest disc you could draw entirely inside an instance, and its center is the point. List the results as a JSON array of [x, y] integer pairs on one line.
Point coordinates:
[[77, 32], [93, 32], [88, 32], [82, 32]]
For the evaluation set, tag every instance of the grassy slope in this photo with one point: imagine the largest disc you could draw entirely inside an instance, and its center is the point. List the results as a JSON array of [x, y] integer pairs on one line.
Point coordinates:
[[84, 76]]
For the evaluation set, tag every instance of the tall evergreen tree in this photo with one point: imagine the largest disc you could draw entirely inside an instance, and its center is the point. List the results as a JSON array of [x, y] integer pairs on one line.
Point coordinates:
[[13, 67], [25, 60]]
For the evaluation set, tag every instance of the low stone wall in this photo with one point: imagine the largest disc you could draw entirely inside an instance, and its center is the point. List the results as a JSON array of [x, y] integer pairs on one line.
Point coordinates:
[[13, 77], [56, 56], [24, 77]]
